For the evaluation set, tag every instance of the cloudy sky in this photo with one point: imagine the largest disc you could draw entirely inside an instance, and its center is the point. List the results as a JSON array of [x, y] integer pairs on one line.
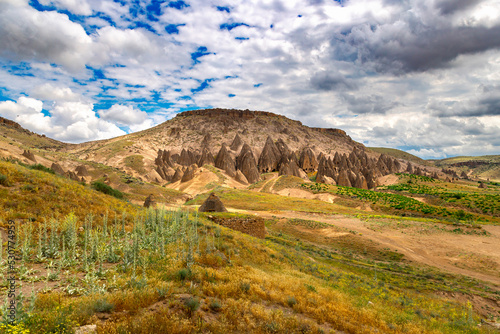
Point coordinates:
[[418, 75]]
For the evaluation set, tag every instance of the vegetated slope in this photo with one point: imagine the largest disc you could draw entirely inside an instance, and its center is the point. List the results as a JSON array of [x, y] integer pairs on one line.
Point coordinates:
[[400, 155], [483, 167], [39, 195], [13, 132], [178, 272]]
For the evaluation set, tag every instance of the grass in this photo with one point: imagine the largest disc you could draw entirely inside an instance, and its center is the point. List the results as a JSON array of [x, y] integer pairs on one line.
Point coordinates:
[[105, 189], [37, 195], [136, 162], [258, 201], [173, 271]]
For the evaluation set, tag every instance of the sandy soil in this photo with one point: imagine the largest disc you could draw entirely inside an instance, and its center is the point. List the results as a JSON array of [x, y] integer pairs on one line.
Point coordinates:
[[470, 255]]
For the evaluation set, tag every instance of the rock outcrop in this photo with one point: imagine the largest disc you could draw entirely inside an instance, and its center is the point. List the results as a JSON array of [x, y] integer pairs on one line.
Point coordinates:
[[307, 160], [206, 158], [177, 175], [245, 162], [212, 204], [150, 202], [269, 157], [28, 155], [225, 162], [237, 142], [189, 173], [57, 168]]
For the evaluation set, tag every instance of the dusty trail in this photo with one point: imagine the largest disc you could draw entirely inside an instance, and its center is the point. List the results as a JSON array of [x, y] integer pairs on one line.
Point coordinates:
[[475, 256]]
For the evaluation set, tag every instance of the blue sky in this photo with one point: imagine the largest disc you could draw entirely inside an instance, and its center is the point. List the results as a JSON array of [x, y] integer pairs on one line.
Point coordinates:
[[422, 76]]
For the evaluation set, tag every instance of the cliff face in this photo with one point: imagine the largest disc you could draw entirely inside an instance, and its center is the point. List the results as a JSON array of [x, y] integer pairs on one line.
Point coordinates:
[[8, 122]]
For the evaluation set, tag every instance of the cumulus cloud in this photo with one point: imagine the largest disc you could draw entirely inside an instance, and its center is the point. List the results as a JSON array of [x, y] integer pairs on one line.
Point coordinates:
[[48, 91], [135, 120], [414, 74], [78, 7]]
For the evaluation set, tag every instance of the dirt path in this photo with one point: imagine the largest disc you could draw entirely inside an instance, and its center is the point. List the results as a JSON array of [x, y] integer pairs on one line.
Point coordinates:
[[475, 256]]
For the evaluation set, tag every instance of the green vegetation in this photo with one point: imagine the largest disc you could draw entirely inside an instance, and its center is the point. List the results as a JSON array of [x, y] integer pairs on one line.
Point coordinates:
[[105, 189], [37, 195], [136, 162], [441, 202]]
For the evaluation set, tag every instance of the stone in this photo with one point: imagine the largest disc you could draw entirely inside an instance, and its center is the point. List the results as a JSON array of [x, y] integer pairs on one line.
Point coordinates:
[[57, 168], [150, 202], [28, 155], [212, 204]]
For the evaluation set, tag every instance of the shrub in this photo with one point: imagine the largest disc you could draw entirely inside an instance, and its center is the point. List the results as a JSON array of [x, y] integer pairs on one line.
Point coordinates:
[[42, 168], [183, 274], [3, 180], [290, 300], [245, 287], [103, 305], [104, 188], [192, 304], [215, 305]]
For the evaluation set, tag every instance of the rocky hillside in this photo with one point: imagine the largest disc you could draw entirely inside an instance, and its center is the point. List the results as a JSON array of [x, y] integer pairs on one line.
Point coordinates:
[[241, 144]]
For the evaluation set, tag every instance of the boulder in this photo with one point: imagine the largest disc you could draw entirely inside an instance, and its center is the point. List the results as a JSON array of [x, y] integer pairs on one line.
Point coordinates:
[[57, 168], [150, 202], [28, 155], [212, 204], [82, 171]]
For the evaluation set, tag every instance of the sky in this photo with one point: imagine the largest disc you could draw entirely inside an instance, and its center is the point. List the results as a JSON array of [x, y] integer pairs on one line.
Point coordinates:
[[418, 75]]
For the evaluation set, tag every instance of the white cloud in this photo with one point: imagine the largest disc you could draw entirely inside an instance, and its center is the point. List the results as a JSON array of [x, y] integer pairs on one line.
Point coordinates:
[[49, 92], [135, 120], [27, 35], [79, 7]]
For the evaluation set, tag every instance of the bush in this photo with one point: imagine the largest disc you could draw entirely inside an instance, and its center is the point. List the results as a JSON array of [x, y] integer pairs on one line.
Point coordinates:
[[3, 180], [215, 305], [42, 168], [103, 305], [291, 301], [104, 188], [192, 304], [183, 274]]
